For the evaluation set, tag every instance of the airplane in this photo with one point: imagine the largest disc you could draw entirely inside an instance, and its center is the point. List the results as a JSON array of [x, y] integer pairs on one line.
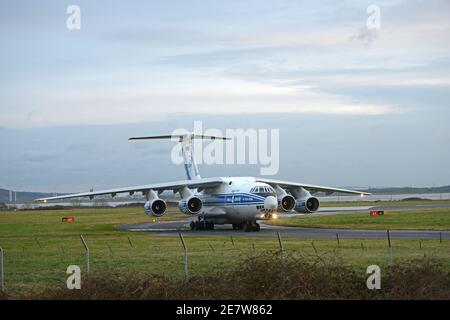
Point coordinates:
[[239, 201]]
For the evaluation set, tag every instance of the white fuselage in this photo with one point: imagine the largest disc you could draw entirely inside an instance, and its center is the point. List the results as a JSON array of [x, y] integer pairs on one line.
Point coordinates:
[[235, 201]]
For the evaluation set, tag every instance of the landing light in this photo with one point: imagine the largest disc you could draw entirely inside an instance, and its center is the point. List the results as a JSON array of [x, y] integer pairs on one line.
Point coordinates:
[[274, 216]]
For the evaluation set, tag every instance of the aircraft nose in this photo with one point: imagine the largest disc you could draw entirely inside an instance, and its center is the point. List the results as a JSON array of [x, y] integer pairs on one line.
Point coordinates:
[[270, 203]]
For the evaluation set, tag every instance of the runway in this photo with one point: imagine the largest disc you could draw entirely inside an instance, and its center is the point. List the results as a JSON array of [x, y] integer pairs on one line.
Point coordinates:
[[175, 227]]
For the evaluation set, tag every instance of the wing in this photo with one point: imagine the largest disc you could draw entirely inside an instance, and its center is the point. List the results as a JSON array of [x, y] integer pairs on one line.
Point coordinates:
[[310, 187], [175, 186]]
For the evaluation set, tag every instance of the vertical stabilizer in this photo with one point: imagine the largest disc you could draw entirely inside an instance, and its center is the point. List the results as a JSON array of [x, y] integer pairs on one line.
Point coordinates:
[[187, 149]]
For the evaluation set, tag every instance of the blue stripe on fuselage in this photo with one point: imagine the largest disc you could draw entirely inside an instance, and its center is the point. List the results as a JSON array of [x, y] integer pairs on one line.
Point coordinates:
[[234, 199]]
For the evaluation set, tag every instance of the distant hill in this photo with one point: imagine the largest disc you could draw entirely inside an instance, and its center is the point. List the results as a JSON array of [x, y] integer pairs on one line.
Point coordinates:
[[409, 190], [23, 195]]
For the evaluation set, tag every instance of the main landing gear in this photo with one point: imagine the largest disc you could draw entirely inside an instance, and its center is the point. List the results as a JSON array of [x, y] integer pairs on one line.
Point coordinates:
[[249, 226], [202, 225]]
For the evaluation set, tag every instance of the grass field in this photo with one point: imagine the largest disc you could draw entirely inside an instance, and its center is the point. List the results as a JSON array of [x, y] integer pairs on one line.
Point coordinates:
[[87, 221], [383, 203], [38, 248], [436, 219]]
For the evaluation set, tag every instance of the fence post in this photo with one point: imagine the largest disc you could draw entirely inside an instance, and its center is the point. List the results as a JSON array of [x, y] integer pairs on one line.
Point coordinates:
[[280, 242], [390, 248], [314, 247], [110, 250], [2, 274], [186, 273], [440, 237], [337, 239], [88, 268]]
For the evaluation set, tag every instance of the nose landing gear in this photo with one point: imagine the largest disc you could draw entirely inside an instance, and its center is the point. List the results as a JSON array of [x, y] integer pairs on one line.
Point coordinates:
[[249, 226]]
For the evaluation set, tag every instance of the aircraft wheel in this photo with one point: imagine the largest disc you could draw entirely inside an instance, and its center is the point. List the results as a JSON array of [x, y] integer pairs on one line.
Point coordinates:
[[240, 226], [248, 227], [252, 226]]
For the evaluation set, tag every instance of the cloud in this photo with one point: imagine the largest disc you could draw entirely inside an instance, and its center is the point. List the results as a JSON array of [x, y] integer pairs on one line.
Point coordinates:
[[37, 156], [365, 36], [195, 95], [157, 64]]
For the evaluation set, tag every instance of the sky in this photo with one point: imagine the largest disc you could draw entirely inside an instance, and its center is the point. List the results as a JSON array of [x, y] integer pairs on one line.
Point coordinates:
[[355, 106]]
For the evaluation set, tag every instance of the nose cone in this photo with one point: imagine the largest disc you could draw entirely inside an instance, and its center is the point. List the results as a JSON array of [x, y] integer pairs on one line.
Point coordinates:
[[270, 203]]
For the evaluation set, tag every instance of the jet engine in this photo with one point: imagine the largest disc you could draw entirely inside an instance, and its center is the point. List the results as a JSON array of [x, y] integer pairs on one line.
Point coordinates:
[[155, 207], [307, 205], [191, 205], [286, 203]]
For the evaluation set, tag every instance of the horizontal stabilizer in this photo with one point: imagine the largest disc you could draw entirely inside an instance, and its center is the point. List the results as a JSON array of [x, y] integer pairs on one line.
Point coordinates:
[[181, 137]]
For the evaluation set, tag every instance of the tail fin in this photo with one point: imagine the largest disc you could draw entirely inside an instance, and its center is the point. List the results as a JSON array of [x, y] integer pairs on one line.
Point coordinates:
[[187, 149]]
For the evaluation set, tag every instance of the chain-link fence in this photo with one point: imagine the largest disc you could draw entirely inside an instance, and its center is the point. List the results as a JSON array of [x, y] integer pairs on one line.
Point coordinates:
[[39, 262]]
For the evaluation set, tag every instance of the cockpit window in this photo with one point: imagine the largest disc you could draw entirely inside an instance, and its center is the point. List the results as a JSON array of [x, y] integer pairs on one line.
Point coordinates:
[[264, 191]]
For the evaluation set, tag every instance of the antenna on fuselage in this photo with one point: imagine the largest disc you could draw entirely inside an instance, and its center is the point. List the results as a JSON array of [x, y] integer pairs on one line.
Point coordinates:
[[187, 149]]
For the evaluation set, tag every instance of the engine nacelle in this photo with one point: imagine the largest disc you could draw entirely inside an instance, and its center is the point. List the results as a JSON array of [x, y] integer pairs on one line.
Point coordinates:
[[286, 203], [191, 205], [307, 205], [156, 207]]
